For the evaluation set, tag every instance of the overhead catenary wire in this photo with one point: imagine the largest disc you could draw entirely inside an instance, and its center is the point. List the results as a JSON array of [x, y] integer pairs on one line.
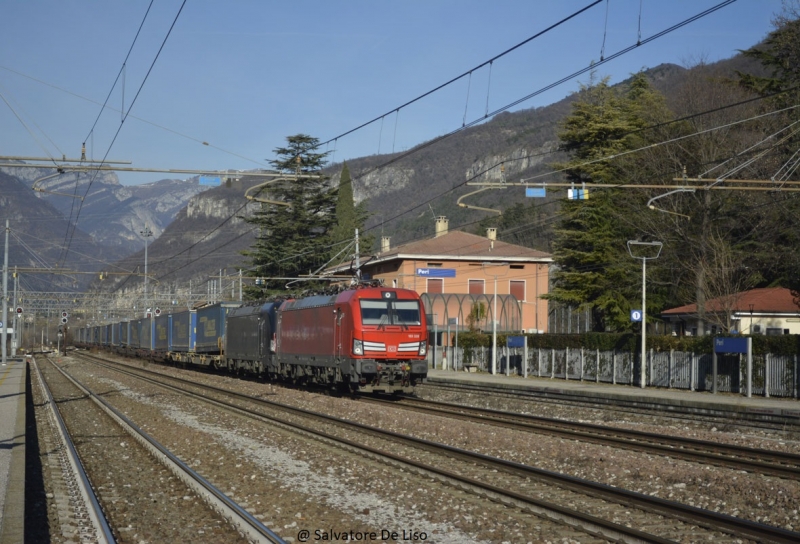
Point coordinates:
[[90, 135], [453, 80], [116, 135], [592, 4], [479, 174], [570, 77]]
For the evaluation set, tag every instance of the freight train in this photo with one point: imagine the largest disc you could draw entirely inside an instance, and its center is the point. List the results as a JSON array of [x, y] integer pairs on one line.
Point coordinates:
[[366, 339]]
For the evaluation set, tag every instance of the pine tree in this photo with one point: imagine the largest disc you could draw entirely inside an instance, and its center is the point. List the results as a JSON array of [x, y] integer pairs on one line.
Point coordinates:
[[594, 269], [294, 230]]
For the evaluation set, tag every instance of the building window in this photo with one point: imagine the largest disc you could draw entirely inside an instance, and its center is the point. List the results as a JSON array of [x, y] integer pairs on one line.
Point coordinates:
[[476, 287], [435, 285], [434, 265], [517, 288], [517, 267], [394, 283]]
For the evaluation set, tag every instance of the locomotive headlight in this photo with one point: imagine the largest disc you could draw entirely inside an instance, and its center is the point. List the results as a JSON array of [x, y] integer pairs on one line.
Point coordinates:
[[358, 347], [423, 347]]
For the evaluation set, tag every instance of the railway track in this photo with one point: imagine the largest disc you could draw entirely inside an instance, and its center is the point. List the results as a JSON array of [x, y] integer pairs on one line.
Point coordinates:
[[711, 415], [81, 507], [151, 457], [761, 461], [598, 509]]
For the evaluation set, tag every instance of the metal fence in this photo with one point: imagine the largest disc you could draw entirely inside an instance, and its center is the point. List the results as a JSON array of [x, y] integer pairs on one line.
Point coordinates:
[[773, 375]]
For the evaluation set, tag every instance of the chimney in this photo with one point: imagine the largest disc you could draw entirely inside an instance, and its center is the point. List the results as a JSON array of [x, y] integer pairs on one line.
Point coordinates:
[[385, 246], [441, 226], [491, 233]]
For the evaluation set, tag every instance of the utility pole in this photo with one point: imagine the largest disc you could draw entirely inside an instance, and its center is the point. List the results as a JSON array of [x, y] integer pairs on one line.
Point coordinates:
[[358, 258], [146, 233], [15, 334], [4, 316]]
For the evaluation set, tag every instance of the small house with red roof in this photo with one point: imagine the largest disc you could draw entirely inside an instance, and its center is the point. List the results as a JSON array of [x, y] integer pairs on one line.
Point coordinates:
[[770, 310]]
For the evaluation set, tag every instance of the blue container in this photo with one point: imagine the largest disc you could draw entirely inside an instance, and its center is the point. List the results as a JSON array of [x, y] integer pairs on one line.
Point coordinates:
[[135, 334], [163, 329], [183, 331], [124, 333], [146, 330], [210, 330]]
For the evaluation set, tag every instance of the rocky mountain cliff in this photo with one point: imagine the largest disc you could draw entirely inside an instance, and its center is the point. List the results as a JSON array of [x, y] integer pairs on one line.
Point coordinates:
[[38, 234], [206, 238], [113, 214]]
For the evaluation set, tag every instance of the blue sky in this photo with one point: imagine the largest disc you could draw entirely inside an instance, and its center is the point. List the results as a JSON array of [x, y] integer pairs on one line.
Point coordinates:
[[244, 74]]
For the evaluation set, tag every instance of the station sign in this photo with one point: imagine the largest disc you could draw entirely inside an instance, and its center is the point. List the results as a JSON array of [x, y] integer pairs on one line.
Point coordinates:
[[213, 181], [730, 345], [535, 192], [436, 272]]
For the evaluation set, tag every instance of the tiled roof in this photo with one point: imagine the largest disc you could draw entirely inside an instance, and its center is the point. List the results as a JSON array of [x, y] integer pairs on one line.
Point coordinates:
[[765, 300], [462, 245]]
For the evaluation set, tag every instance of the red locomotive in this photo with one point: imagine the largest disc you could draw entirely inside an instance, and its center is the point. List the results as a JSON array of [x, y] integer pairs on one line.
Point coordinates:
[[370, 338]]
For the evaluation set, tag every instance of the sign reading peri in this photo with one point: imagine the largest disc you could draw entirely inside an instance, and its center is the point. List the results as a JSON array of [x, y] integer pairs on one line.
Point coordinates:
[[730, 345], [436, 272]]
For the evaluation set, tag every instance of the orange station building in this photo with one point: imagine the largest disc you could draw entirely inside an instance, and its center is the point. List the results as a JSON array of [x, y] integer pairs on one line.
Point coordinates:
[[456, 270]]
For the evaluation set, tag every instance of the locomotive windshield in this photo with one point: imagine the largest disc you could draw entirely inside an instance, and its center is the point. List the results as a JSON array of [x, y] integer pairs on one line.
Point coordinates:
[[390, 312]]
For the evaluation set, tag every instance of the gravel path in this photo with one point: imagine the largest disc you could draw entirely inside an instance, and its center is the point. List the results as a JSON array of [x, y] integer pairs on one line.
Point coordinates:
[[416, 506], [292, 483], [140, 497]]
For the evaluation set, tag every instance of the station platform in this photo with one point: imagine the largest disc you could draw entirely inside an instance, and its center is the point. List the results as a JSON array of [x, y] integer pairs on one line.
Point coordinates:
[[698, 402], [12, 450]]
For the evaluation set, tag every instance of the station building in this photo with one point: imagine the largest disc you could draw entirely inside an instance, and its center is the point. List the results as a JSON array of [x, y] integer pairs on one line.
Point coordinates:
[[456, 273]]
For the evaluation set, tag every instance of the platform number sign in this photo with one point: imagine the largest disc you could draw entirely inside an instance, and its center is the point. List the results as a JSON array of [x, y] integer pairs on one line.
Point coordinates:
[[636, 316]]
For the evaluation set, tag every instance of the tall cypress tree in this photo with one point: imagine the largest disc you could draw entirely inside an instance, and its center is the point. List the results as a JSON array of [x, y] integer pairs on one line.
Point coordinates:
[[294, 228], [349, 217]]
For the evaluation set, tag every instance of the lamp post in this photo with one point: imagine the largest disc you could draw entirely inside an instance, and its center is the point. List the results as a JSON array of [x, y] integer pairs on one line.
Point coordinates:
[[494, 313], [146, 233], [657, 248]]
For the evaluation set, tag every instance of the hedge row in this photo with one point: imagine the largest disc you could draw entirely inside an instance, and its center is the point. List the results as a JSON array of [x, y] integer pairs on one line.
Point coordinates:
[[788, 344]]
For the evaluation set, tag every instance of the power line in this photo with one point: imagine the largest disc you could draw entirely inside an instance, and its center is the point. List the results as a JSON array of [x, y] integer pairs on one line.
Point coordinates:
[[114, 139]]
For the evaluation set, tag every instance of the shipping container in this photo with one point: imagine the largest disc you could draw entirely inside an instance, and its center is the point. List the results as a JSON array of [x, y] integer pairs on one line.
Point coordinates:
[[183, 331], [124, 333], [210, 329], [162, 332], [146, 327]]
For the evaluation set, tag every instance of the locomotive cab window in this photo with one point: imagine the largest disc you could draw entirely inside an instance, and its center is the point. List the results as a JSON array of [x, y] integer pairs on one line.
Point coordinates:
[[390, 312]]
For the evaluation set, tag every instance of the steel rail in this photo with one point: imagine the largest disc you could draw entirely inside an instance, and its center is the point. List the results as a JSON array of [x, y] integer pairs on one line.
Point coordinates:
[[238, 516], [673, 510], [97, 519], [713, 414], [781, 464]]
